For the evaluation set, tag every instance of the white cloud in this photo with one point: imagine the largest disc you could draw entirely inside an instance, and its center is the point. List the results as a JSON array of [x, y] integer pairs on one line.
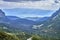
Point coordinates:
[[46, 5]]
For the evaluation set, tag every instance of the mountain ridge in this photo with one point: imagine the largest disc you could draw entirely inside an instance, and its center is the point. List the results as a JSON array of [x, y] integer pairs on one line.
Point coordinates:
[[52, 26], [2, 14]]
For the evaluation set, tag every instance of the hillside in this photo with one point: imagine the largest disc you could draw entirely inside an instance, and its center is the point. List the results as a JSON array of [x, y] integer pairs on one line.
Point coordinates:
[[2, 14], [51, 27]]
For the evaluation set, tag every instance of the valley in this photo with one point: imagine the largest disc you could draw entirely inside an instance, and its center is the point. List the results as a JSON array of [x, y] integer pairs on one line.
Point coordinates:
[[15, 28]]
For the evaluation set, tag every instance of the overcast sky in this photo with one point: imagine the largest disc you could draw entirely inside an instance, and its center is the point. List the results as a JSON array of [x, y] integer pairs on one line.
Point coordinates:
[[40, 4], [51, 5]]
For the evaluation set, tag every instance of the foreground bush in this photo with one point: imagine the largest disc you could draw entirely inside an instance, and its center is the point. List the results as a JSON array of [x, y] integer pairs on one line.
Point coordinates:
[[36, 37], [6, 36]]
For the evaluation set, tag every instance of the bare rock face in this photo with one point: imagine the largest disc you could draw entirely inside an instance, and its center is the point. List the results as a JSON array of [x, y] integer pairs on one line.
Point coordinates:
[[2, 14]]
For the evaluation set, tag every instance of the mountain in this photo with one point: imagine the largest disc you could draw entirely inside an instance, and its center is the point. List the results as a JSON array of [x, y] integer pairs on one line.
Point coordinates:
[[32, 18], [56, 13], [37, 19], [50, 27], [16, 22], [55, 19], [2, 14]]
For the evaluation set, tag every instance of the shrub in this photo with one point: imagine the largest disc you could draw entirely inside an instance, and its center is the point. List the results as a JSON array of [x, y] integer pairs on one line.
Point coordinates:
[[5, 36]]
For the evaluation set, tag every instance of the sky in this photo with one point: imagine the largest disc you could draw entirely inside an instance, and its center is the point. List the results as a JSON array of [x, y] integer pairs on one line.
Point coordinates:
[[29, 8], [24, 12]]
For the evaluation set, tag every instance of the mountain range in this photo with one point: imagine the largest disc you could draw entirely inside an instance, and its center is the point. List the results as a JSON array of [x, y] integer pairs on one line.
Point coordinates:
[[37, 19], [49, 26], [20, 23]]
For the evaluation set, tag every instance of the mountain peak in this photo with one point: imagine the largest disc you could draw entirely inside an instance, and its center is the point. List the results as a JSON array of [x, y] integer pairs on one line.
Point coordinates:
[[2, 14], [56, 13]]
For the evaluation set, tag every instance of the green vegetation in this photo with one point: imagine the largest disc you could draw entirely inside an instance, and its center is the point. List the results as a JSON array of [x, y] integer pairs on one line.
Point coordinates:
[[36, 37], [6, 36], [12, 34]]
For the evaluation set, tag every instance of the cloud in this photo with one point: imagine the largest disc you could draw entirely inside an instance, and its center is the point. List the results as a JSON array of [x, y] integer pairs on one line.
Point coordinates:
[[45, 5], [21, 0]]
